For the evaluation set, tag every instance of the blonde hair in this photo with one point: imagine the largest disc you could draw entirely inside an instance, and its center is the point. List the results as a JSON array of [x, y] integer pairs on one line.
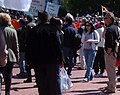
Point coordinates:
[[5, 19]]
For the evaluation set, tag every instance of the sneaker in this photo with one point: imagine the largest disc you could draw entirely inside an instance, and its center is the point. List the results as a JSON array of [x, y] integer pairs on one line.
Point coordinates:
[[27, 81], [21, 75], [91, 79], [103, 88], [118, 79], [7, 93], [85, 80], [96, 75], [100, 75], [79, 68], [118, 73], [108, 91], [18, 74], [35, 85]]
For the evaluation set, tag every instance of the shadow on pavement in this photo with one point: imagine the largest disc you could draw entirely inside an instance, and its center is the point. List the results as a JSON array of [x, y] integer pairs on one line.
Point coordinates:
[[102, 82], [87, 92], [76, 78], [76, 81], [20, 88]]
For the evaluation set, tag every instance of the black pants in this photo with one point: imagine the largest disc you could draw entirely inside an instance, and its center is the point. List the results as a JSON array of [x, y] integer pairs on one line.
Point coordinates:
[[28, 69], [7, 74], [47, 79], [99, 63]]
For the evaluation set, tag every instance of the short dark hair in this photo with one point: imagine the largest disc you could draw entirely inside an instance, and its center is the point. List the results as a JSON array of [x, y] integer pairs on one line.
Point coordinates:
[[43, 16], [55, 21], [22, 21], [69, 20]]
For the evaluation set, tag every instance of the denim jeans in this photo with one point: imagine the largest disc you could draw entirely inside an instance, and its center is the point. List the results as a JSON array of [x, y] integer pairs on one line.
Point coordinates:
[[22, 63], [89, 58]]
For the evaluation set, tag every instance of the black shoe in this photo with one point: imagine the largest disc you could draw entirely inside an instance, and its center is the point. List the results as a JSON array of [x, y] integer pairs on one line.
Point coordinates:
[[21, 75], [8, 93], [79, 68], [118, 79], [27, 81], [118, 73], [107, 91], [35, 85], [103, 88]]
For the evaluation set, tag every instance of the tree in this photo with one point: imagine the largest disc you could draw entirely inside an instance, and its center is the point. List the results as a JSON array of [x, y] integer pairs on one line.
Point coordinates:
[[91, 6]]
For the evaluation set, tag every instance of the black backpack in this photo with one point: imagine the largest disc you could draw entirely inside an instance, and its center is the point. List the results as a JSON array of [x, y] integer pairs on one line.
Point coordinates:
[[77, 41]]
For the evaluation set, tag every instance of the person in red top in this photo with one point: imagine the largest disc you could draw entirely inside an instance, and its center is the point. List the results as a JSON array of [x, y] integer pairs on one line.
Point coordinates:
[[15, 23]]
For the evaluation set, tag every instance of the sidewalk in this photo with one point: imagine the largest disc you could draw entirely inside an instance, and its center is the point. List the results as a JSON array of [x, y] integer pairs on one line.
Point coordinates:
[[79, 88]]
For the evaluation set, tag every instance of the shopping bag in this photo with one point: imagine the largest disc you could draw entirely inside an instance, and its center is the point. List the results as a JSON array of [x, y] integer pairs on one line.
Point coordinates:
[[66, 83]]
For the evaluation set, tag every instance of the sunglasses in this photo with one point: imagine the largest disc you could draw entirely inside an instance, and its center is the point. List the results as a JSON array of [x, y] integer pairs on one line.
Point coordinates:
[[87, 25], [106, 18]]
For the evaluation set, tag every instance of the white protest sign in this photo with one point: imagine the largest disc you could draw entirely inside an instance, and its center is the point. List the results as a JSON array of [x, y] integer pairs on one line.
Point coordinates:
[[20, 5], [37, 5], [52, 9], [2, 3]]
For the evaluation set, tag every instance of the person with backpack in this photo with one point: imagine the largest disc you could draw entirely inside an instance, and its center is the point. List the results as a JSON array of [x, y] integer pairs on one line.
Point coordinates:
[[69, 47]]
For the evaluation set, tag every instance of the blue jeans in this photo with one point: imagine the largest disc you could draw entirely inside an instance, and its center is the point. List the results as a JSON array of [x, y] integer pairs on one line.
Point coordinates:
[[22, 63], [89, 58]]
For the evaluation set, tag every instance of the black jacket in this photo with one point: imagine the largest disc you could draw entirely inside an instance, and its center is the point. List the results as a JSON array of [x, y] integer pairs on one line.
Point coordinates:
[[111, 36], [43, 45]]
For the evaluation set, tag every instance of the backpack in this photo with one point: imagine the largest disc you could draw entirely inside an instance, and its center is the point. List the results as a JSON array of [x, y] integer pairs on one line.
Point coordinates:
[[3, 50], [77, 41]]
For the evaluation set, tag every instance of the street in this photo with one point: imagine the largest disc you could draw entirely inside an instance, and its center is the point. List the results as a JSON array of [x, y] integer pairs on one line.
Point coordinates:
[[79, 88]]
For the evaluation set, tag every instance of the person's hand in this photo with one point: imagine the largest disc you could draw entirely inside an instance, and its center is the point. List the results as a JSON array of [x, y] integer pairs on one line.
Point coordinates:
[[109, 50], [88, 41], [61, 64]]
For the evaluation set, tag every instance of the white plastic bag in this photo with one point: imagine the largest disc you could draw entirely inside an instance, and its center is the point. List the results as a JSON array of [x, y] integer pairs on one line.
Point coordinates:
[[65, 80]]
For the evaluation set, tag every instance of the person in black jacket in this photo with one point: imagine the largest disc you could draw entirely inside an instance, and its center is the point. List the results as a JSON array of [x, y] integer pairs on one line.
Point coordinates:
[[45, 55], [68, 44], [21, 41]]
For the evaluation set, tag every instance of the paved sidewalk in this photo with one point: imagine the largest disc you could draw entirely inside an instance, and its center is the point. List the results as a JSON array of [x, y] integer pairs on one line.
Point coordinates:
[[79, 88]]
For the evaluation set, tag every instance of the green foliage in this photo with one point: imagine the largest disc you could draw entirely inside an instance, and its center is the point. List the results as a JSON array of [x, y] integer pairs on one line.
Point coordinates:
[[91, 6]]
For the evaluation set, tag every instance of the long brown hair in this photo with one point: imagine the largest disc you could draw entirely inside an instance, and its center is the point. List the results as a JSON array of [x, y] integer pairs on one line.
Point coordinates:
[[92, 26]]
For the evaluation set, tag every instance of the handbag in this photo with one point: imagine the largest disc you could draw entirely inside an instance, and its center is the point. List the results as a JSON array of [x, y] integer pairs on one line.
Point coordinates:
[[66, 83]]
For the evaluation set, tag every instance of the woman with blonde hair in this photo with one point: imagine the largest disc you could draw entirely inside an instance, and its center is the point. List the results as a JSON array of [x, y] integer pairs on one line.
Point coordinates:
[[12, 47]]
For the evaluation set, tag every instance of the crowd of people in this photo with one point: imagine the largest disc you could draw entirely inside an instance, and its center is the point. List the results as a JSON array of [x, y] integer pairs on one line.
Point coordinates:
[[46, 45]]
